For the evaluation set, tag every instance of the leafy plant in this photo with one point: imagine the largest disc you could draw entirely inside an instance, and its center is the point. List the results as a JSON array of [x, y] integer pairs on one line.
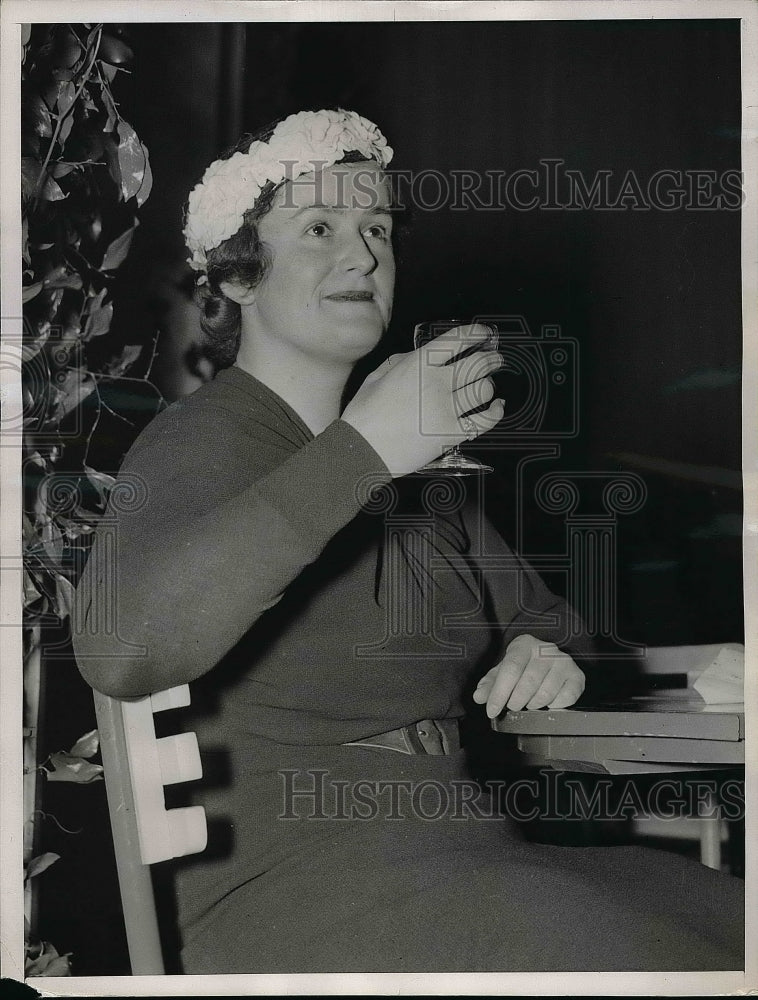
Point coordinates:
[[84, 175], [74, 764]]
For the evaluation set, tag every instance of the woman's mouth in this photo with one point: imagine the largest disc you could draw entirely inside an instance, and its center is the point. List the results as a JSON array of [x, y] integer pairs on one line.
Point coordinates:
[[351, 297]]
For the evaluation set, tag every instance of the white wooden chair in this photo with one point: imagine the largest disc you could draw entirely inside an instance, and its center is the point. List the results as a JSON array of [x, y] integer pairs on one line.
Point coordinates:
[[137, 765]]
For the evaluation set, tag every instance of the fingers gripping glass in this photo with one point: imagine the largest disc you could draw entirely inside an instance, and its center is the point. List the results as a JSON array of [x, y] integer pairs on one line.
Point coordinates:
[[453, 462]]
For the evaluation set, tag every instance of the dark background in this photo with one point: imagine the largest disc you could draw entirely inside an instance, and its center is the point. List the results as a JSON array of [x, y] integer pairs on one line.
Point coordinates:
[[651, 297]]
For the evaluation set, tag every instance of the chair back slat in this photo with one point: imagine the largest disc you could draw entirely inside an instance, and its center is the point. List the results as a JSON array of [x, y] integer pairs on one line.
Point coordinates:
[[137, 765], [134, 879]]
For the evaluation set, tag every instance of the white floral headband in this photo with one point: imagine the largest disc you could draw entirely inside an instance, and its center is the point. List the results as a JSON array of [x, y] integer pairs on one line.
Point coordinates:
[[300, 144]]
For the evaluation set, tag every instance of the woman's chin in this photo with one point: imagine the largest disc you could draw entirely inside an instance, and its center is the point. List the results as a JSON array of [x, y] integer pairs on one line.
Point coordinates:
[[360, 340]]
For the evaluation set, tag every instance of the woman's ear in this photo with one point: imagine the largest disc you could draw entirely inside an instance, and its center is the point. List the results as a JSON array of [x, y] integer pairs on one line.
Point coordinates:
[[243, 295]]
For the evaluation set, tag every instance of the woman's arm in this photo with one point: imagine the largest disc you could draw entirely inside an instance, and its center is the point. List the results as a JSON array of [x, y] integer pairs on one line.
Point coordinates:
[[542, 635], [191, 572]]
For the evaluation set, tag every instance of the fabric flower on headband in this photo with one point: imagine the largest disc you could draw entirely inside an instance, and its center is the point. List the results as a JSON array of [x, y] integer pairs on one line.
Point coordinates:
[[300, 144]]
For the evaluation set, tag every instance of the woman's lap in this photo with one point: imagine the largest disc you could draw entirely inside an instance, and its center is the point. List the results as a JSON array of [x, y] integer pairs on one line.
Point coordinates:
[[447, 896]]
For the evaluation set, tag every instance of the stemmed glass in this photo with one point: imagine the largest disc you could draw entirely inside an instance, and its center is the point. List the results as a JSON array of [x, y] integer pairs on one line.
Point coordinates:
[[453, 462]]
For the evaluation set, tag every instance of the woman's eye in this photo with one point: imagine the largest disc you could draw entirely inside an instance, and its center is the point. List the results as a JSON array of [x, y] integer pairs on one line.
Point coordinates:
[[378, 232], [319, 229]]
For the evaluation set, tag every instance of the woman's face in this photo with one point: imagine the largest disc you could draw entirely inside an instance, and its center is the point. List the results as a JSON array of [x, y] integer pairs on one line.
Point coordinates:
[[328, 292]]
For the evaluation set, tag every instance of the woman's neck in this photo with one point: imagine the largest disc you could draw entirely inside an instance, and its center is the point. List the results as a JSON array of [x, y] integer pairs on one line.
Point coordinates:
[[313, 388]]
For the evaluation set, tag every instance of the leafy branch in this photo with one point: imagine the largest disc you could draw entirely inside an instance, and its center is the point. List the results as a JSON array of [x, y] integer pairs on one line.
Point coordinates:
[[66, 110], [84, 175]]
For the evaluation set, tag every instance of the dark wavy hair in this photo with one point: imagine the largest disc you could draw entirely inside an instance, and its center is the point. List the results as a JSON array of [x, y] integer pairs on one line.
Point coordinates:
[[242, 258]]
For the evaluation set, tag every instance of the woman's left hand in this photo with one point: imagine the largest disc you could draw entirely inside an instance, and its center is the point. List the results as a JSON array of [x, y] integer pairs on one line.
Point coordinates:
[[532, 674]]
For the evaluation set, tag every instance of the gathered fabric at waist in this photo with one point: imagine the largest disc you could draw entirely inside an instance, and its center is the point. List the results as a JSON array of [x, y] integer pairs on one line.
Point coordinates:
[[271, 806]]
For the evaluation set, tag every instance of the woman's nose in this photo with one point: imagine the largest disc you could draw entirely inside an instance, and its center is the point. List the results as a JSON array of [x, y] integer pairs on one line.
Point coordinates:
[[357, 255]]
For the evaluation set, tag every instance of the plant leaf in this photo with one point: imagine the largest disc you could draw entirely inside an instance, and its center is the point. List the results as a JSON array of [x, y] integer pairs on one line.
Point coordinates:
[[128, 356], [30, 535], [65, 596], [60, 169], [46, 961], [65, 131], [52, 543], [63, 73], [51, 191], [44, 583], [131, 160], [35, 115], [53, 297], [29, 292], [65, 97], [87, 745], [30, 350], [68, 49], [74, 390], [98, 321], [118, 249], [114, 51], [101, 481], [39, 864], [61, 277], [110, 107], [30, 170], [38, 615], [75, 529], [59, 966], [87, 101], [147, 181], [110, 152], [95, 302], [73, 769], [31, 594], [25, 241]]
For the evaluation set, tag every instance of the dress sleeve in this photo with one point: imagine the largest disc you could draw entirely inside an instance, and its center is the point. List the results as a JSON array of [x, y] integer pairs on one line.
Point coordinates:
[[521, 601], [175, 580]]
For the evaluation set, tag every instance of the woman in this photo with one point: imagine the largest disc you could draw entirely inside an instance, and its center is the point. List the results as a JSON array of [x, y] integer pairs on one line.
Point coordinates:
[[337, 625]]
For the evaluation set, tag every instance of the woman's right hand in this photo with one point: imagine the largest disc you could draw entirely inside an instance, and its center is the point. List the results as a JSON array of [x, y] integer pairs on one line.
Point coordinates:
[[409, 409]]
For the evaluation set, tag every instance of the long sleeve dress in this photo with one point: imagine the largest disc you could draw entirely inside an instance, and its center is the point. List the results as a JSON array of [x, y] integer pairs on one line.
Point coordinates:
[[314, 602]]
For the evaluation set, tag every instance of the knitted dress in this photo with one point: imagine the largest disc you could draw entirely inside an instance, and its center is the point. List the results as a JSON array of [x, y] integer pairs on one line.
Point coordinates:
[[313, 601]]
